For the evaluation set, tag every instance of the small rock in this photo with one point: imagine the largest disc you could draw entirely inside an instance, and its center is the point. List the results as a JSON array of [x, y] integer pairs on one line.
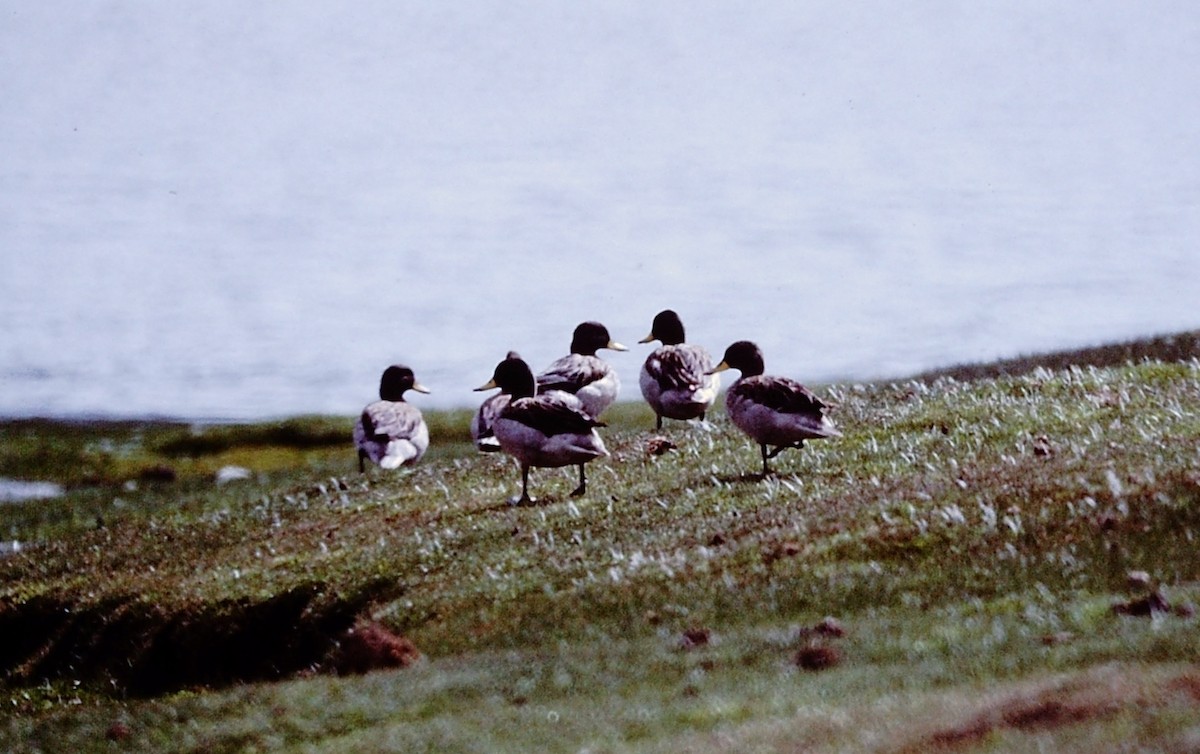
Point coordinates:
[[370, 646], [696, 637], [1152, 603], [1137, 579], [818, 657], [1060, 637], [781, 551], [830, 626], [657, 446], [118, 732], [1042, 446]]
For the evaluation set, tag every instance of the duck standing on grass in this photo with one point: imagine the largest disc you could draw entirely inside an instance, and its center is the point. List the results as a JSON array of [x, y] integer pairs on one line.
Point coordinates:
[[481, 423], [584, 374], [391, 432], [675, 379], [544, 430], [772, 410]]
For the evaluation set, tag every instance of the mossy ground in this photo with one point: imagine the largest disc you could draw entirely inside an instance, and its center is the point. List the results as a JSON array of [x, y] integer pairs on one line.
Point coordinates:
[[971, 537]]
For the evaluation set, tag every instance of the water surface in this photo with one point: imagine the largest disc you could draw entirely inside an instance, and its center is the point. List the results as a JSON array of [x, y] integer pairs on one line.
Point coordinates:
[[249, 210]]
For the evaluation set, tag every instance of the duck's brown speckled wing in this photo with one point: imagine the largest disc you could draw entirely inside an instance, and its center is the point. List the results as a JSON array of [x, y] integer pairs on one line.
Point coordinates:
[[787, 396], [551, 415], [383, 420], [679, 367], [571, 373]]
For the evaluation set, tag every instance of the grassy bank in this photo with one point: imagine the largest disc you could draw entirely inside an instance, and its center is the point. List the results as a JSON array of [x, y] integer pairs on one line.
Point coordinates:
[[969, 539]]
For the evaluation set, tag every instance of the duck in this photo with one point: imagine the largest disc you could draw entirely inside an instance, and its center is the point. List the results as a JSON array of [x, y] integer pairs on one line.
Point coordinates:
[[676, 379], [776, 411], [390, 432], [481, 423], [546, 430], [584, 374]]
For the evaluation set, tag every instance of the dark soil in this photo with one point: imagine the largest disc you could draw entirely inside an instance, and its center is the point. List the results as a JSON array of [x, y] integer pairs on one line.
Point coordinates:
[[143, 649]]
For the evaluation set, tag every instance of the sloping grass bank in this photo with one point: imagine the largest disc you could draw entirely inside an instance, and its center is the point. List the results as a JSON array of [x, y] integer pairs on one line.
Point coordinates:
[[970, 538]]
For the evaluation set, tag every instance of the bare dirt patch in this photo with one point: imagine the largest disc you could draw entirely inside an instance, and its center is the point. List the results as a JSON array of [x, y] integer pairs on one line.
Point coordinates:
[[1065, 701]]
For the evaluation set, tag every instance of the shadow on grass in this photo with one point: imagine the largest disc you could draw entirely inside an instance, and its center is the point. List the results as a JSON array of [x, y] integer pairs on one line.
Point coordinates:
[[144, 650]]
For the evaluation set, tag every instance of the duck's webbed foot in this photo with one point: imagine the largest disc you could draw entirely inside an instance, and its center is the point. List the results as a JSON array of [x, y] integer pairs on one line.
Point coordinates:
[[766, 469], [582, 488], [523, 498]]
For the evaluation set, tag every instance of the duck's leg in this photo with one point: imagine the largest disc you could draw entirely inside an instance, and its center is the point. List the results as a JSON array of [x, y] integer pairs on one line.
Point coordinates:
[[524, 499], [780, 448], [582, 488], [658, 422], [362, 455], [766, 469]]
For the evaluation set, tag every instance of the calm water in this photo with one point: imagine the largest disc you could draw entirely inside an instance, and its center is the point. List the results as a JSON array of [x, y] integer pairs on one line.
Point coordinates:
[[230, 213]]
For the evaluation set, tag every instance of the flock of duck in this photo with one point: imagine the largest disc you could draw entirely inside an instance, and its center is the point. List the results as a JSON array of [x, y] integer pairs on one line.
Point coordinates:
[[550, 419]]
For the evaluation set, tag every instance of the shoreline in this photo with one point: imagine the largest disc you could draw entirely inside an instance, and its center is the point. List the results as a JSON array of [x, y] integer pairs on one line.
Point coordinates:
[[1168, 347]]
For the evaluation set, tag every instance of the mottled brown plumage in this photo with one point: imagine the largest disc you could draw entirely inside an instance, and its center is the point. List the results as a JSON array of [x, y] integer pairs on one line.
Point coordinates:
[[390, 432], [675, 378], [773, 411], [544, 430], [582, 373]]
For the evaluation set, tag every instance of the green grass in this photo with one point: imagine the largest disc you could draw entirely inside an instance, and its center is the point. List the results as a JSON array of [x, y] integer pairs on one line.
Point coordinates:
[[972, 537]]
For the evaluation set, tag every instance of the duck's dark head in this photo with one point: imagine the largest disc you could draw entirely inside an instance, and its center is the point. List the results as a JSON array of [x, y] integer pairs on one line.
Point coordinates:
[[590, 337], [398, 379], [513, 376], [667, 328], [743, 356]]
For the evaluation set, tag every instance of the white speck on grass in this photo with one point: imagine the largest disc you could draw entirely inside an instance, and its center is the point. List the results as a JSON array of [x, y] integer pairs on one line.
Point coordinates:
[[17, 491], [1114, 484], [227, 474]]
